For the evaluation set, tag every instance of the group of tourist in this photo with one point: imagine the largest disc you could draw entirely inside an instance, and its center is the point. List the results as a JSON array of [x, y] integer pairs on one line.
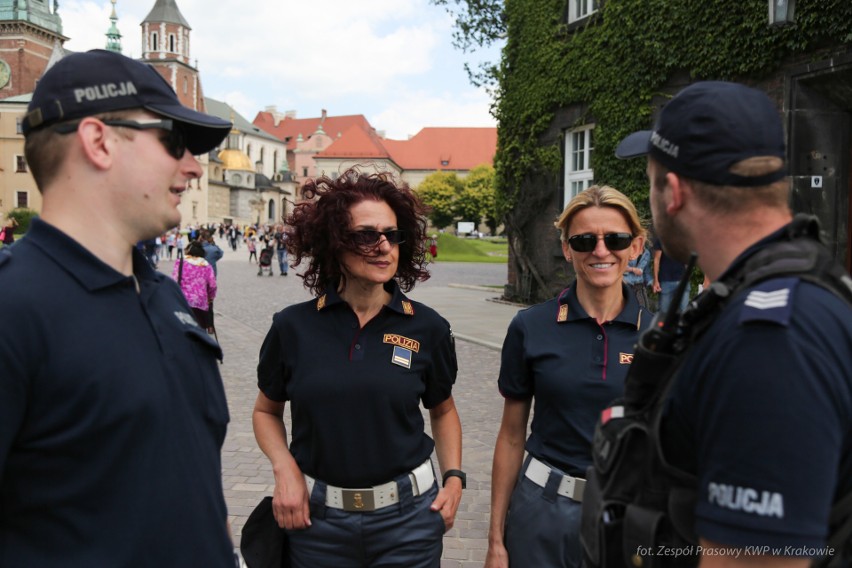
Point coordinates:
[[113, 412]]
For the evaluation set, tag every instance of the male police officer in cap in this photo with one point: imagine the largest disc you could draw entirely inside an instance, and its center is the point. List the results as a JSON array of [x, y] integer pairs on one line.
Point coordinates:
[[761, 409], [112, 409]]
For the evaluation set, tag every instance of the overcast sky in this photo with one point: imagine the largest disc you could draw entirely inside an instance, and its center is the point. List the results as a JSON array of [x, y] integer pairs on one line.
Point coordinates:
[[390, 60]]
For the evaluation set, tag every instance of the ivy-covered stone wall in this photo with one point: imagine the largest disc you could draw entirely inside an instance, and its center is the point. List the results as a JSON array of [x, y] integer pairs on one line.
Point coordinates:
[[614, 69]]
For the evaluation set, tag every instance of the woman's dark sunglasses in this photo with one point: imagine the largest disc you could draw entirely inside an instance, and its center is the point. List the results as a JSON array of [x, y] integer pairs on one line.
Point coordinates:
[[370, 238], [588, 241], [174, 141]]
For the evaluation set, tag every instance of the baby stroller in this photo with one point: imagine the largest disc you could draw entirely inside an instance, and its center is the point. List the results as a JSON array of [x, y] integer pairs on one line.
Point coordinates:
[[265, 261]]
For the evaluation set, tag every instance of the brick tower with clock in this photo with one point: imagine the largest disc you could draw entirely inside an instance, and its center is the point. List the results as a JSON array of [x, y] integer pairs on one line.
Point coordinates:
[[30, 38]]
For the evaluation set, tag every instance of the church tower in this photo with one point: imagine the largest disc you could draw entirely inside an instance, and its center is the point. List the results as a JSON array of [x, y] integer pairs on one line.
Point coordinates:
[[113, 35], [165, 45], [30, 40]]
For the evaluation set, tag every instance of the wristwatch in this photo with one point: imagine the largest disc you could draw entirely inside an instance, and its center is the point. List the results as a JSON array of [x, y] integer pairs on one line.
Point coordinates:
[[455, 473]]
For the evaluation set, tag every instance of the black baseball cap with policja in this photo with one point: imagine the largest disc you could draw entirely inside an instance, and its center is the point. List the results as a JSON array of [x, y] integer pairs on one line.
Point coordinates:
[[100, 81], [707, 128]]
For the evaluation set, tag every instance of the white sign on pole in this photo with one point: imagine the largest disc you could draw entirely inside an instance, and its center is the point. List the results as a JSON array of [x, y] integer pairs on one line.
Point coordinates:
[[465, 227]]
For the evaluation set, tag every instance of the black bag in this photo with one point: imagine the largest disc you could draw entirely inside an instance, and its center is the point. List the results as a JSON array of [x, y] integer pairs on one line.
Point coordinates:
[[263, 543]]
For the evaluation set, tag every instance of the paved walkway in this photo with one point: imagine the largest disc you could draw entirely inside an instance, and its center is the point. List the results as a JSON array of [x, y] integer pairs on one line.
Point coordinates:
[[460, 292]]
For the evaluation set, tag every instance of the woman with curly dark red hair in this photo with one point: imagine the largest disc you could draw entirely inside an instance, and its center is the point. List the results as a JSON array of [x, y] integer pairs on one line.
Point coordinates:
[[356, 486]]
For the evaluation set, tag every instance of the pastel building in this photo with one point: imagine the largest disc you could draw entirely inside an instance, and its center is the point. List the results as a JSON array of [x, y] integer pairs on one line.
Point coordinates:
[[249, 177]]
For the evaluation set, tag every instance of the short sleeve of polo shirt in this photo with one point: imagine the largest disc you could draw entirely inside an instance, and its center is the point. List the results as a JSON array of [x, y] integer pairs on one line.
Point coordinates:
[[441, 375], [768, 407], [515, 379], [271, 370]]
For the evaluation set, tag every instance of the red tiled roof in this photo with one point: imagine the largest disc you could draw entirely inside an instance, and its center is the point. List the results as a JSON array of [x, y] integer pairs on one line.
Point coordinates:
[[460, 148], [430, 149], [292, 127], [356, 142]]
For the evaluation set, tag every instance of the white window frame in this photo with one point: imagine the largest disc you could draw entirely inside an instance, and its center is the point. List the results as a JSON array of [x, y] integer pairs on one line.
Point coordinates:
[[580, 9], [579, 147]]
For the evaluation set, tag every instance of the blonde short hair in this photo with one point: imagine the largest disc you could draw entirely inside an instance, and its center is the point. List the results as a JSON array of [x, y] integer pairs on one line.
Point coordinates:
[[600, 196]]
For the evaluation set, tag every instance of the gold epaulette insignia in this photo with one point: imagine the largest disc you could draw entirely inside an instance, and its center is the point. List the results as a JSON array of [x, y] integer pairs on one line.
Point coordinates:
[[407, 308], [563, 313], [321, 302]]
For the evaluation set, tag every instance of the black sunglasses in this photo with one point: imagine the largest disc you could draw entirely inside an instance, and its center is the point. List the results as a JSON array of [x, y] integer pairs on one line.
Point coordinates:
[[370, 237], [174, 141], [588, 241]]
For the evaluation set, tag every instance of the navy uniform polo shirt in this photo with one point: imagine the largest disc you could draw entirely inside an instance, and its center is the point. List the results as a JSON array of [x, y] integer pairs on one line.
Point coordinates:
[[761, 413], [669, 270], [112, 415], [573, 367], [355, 392]]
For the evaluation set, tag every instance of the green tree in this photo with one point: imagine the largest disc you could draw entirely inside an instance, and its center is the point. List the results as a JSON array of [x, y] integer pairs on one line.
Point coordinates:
[[484, 178], [478, 24], [439, 192], [481, 192], [23, 216]]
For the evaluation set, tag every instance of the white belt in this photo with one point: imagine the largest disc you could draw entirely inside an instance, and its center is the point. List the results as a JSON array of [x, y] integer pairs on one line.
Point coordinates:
[[572, 487], [377, 497]]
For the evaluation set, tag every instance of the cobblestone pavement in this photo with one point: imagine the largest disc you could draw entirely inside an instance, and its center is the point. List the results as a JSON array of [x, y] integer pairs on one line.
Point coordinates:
[[244, 309]]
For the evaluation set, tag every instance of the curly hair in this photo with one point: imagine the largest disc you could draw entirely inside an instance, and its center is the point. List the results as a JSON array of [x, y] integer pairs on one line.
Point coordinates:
[[318, 226]]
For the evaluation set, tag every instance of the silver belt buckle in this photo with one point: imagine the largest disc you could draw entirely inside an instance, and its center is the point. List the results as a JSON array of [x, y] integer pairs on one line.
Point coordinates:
[[355, 500]]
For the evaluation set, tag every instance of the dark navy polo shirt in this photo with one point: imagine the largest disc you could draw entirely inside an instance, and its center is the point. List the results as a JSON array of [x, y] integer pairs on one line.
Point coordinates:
[[355, 393], [573, 367], [761, 412], [670, 270], [112, 415]]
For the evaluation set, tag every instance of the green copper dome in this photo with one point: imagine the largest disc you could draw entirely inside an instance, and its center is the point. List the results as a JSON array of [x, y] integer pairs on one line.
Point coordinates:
[[36, 12]]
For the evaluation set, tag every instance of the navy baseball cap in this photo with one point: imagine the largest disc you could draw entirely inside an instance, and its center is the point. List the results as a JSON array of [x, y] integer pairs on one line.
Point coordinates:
[[707, 128], [99, 81]]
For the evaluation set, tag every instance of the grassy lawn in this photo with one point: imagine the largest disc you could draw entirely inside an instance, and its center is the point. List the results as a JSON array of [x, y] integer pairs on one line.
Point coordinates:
[[455, 249]]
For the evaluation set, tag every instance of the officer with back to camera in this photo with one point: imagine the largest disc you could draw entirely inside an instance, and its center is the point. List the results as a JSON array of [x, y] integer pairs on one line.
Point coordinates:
[[112, 409], [761, 409]]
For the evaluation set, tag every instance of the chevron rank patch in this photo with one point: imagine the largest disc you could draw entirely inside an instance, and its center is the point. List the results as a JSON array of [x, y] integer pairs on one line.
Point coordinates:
[[401, 357], [770, 301]]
